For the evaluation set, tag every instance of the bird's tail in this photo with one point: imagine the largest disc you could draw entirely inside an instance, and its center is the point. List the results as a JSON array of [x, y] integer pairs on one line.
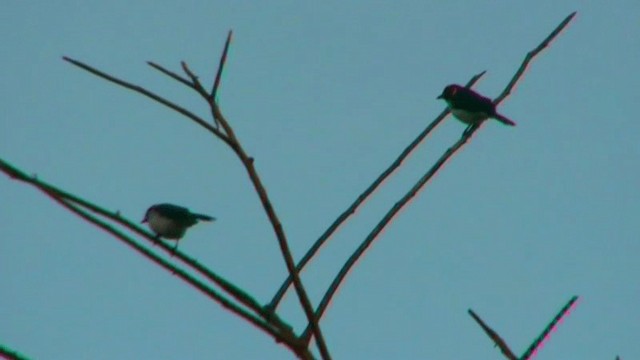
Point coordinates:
[[204, 217], [504, 120]]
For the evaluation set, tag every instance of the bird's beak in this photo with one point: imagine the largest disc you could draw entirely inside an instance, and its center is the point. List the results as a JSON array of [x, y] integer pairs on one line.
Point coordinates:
[[440, 96]]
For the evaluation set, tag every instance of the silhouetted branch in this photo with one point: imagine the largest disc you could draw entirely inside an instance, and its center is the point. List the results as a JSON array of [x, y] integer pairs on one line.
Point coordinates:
[[361, 198], [223, 60], [425, 178], [539, 341], [230, 139], [68, 198], [197, 86], [494, 336], [247, 161], [168, 266], [171, 74], [326, 299], [531, 54], [151, 95], [10, 354]]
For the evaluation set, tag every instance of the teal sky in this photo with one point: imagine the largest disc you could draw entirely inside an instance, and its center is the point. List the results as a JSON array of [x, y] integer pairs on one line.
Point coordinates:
[[325, 96]]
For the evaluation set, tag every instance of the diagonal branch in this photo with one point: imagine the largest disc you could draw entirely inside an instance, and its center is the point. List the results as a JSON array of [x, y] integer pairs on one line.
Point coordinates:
[[361, 198], [248, 163], [416, 188], [532, 54], [539, 341], [494, 336], [171, 74], [166, 265], [10, 354], [227, 286], [342, 274]]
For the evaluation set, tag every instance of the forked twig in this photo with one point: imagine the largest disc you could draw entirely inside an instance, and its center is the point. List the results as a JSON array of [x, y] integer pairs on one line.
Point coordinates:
[[171, 74], [150, 95], [425, 178], [497, 340], [361, 198], [231, 140], [247, 161]]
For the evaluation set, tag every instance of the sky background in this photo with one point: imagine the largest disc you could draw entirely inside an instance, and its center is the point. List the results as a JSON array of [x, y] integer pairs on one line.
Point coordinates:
[[324, 96]]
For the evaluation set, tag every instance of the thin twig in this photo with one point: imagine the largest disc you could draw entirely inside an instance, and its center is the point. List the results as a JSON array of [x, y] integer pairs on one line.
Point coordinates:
[[223, 60], [229, 287], [361, 198], [151, 95], [195, 80], [497, 340], [537, 343], [414, 190], [171, 74], [531, 54]]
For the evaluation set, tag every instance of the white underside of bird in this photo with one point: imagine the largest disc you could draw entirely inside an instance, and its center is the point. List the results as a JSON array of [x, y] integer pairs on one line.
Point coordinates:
[[166, 227], [172, 221], [469, 117]]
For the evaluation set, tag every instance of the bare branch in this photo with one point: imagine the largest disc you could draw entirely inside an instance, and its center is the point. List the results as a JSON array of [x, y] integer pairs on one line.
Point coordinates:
[[361, 199], [230, 288], [533, 53], [195, 80], [151, 95], [412, 192], [247, 161], [230, 139], [495, 337], [10, 354], [223, 60], [171, 74], [537, 343], [326, 299]]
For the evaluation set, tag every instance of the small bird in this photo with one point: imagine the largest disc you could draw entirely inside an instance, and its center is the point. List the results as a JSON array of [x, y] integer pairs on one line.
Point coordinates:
[[171, 221], [470, 107]]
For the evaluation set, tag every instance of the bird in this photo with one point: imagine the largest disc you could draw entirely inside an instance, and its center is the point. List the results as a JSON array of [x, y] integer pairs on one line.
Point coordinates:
[[470, 107], [171, 221]]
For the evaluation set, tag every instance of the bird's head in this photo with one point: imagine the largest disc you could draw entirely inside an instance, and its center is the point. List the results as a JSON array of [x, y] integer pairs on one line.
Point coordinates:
[[450, 92], [146, 215]]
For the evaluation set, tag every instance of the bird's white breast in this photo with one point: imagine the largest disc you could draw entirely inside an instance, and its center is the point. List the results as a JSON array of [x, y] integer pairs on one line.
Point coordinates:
[[165, 227], [468, 116]]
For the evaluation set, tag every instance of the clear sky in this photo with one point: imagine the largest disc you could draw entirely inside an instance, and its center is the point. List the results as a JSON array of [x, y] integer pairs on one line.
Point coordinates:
[[325, 95]]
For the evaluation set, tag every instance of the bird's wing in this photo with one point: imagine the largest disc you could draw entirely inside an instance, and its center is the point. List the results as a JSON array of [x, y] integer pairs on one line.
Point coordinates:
[[473, 102], [173, 211]]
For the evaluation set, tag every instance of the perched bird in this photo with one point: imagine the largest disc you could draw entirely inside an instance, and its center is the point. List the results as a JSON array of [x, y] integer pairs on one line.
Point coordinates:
[[470, 107], [171, 221]]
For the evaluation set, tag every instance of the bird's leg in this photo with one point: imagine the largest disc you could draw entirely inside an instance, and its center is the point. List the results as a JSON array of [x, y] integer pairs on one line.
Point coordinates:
[[156, 239], [470, 129], [173, 251], [467, 130]]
